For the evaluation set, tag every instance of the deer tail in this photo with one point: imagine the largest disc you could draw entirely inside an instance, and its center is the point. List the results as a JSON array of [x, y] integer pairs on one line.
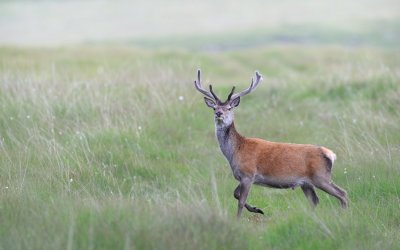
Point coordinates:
[[329, 156]]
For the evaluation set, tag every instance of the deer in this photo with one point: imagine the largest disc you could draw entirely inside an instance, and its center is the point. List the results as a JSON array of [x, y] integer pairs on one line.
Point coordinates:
[[266, 163]]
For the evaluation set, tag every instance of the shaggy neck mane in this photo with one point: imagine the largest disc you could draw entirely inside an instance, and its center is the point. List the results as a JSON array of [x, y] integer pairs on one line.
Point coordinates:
[[229, 140]]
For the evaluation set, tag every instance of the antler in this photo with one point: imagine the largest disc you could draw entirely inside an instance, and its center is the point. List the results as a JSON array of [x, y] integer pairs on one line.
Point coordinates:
[[230, 94], [198, 86], [253, 86]]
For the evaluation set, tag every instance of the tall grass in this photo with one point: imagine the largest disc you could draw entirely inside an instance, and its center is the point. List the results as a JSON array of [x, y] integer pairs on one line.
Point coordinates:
[[113, 148]]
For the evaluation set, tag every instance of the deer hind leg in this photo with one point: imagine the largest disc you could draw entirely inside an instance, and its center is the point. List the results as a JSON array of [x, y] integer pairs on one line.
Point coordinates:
[[309, 192], [343, 193], [332, 189], [340, 190], [252, 209]]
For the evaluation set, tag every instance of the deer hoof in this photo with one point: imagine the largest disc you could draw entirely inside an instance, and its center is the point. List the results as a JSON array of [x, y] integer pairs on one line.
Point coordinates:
[[256, 210]]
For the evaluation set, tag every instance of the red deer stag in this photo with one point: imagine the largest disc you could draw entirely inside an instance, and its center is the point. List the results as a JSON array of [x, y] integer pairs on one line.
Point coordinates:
[[272, 164]]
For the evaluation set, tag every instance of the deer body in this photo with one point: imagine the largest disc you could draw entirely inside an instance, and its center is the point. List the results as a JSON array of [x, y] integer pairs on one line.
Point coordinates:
[[268, 163], [265, 163]]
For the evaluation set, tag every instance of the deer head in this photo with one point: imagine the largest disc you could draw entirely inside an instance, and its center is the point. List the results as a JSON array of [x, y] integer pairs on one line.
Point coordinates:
[[223, 111]]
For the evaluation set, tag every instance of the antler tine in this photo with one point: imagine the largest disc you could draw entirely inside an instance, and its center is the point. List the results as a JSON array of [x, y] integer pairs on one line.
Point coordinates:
[[197, 84], [212, 92], [252, 86], [230, 94]]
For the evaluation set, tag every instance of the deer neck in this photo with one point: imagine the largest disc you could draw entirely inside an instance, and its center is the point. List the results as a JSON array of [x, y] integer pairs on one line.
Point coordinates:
[[229, 140]]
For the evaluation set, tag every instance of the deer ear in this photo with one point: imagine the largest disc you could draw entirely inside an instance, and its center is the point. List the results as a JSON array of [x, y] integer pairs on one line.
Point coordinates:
[[235, 102], [209, 102]]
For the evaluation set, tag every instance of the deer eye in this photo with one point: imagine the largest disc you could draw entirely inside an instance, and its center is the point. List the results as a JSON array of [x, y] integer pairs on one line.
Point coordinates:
[[229, 108]]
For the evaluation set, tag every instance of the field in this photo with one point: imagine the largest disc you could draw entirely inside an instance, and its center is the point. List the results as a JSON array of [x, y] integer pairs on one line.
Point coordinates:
[[113, 148], [106, 144]]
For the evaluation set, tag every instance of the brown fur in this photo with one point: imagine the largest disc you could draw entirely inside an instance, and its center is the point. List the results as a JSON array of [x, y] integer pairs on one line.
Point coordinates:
[[278, 159]]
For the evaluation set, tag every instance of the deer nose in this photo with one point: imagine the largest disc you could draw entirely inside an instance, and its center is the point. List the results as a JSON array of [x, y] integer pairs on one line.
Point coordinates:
[[218, 113]]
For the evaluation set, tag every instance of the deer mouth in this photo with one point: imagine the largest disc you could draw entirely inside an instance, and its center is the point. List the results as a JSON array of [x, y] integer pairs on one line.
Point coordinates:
[[219, 118]]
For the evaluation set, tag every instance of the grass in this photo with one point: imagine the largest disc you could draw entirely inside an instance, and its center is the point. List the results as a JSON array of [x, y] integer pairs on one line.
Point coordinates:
[[112, 148]]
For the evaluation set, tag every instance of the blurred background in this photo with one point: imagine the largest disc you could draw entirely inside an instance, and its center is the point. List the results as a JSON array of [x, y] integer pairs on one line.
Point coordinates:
[[105, 144], [200, 25]]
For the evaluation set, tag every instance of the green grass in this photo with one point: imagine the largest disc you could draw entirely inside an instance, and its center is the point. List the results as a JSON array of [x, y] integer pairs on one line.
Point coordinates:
[[97, 151]]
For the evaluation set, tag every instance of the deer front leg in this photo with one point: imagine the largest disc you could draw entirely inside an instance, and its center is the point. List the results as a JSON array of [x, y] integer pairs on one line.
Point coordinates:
[[244, 188], [252, 209]]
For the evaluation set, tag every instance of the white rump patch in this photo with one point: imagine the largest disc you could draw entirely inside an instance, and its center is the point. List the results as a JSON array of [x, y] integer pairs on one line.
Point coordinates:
[[329, 154]]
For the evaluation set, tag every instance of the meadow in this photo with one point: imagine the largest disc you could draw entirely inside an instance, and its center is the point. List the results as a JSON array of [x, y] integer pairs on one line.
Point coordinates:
[[107, 147]]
